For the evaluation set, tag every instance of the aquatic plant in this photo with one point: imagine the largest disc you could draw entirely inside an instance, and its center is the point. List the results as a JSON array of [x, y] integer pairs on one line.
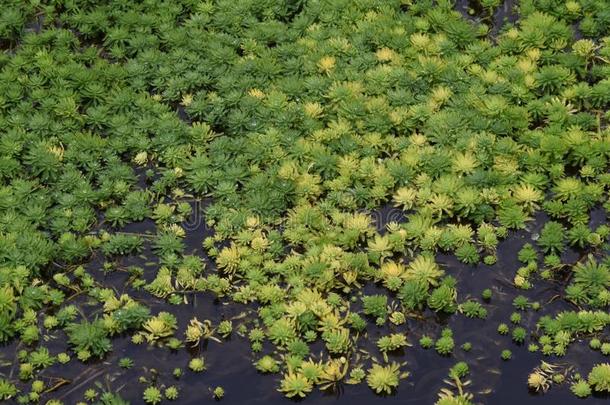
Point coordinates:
[[384, 379], [337, 340], [90, 394], [599, 377], [126, 363], [445, 344], [225, 328], [267, 364], [519, 334], [196, 330], [197, 364], [391, 342], [426, 342], [218, 392], [581, 389], [7, 389], [424, 269], [171, 393], [291, 121], [455, 393], [311, 370], [152, 395], [443, 298], [449, 398], [41, 358], [521, 302], [375, 305], [537, 381], [590, 284], [595, 343], [356, 375], [473, 309], [122, 244], [295, 385], [332, 373], [90, 337], [109, 398], [551, 237], [281, 332], [158, 327]]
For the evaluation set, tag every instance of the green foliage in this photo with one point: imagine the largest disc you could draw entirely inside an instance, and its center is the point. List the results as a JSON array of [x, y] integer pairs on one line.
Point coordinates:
[[197, 364], [152, 395], [426, 342], [599, 377], [91, 337], [295, 385], [267, 364], [519, 334], [551, 237], [473, 309], [445, 344], [391, 342], [443, 298], [122, 244], [171, 393], [384, 379], [295, 120], [590, 284], [581, 389], [375, 305], [7, 390]]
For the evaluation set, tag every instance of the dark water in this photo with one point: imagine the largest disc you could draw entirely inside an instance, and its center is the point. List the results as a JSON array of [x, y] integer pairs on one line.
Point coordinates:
[[229, 364], [505, 13]]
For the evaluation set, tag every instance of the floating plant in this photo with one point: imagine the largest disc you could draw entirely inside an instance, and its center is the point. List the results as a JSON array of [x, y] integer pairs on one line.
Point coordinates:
[[350, 173]]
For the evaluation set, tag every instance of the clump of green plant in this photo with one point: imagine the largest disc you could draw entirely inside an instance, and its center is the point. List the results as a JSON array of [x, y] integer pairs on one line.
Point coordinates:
[[455, 393], [152, 395], [7, 390], [89, 339], [599, 377], [445, 344], [581, 388], [473, 309], [294, 128], [218, 393], [295, 385], [376, 306], [390, 343], [384, 379], [197, 364]]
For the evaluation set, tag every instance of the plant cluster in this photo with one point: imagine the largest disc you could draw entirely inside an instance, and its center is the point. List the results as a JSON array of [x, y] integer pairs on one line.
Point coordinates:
[[296, 120]]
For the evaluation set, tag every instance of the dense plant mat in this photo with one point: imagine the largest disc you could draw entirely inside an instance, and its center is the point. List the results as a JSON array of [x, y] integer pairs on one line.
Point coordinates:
[[357, 163]]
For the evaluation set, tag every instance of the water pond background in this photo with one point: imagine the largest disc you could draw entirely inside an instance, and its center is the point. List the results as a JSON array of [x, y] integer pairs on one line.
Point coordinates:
[[229, 364]]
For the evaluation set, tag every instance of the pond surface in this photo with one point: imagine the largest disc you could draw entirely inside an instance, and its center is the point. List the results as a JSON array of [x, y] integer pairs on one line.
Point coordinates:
[[229, 364]]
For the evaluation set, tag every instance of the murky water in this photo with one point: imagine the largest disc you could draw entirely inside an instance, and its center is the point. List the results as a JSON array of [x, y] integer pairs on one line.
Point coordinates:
[[229, 364]]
